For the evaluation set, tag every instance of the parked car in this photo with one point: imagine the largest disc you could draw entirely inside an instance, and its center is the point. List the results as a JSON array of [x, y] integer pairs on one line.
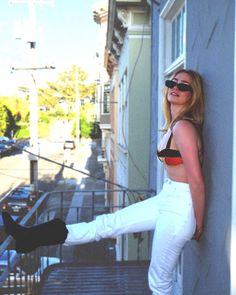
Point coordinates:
[[11, 143], [69, 144], [3, 139], [27, 189], [4, 150], [19, 201], [7, 146]]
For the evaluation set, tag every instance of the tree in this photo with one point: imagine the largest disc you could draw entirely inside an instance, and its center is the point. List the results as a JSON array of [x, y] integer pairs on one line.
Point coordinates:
[[65, 87], [87, 118], [3, 119], [7, 121], [63, 92], [48, 96], [19, 107], [15, 110]]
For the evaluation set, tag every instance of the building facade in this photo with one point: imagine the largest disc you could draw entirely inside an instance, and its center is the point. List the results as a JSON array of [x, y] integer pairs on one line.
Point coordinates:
[[128, 64], [198, 35]]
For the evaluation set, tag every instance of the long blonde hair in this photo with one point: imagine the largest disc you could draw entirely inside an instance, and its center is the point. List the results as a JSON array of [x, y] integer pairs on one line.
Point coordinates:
[[194, 110]]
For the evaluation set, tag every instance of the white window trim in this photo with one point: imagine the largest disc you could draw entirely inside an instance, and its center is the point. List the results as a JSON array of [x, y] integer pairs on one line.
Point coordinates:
[[165, 33], [103, 101], [166, 9], [179, 62]]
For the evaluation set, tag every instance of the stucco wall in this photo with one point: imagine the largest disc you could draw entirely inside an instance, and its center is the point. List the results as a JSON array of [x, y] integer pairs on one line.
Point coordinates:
[[139, 107], [210, 50]]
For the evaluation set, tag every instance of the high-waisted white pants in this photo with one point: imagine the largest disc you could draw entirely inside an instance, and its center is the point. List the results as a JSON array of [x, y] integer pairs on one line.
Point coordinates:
[[170, 214]]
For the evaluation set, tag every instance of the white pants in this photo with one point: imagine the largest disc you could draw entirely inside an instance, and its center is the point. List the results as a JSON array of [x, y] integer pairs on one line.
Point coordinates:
[[170, 214]]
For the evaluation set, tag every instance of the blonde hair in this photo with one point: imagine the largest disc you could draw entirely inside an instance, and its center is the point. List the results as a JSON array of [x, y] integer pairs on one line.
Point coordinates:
[[194, 111]]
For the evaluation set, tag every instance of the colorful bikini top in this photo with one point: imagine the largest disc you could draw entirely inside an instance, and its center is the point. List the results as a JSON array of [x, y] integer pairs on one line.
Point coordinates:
[[170, 156]]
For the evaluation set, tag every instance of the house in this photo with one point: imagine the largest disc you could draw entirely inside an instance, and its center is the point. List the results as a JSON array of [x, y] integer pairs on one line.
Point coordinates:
[[127, 53], [126, 142]]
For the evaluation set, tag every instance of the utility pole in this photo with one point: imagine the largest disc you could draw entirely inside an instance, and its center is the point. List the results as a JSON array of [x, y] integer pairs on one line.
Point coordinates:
[[31, 39], [77, 105]]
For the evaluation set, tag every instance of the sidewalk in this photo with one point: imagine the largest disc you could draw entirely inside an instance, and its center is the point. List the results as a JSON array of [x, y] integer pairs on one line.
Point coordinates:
[[86, 160], [94, 252]]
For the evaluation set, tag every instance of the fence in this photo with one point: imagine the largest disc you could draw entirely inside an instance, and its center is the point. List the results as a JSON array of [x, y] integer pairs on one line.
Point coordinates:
[[21, 273]]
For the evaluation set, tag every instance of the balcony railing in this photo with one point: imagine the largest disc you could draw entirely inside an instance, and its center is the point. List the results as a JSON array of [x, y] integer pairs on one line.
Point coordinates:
[[22, 273]]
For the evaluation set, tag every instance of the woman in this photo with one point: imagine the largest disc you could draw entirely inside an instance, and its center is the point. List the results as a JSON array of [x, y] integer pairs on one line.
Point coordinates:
[[175, 214]]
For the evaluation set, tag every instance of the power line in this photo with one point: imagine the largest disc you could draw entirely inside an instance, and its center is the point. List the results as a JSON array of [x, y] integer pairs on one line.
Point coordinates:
[[75, 169]]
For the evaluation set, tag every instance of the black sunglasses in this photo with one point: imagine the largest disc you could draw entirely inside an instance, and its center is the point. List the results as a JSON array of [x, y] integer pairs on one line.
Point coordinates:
[[181, 86]]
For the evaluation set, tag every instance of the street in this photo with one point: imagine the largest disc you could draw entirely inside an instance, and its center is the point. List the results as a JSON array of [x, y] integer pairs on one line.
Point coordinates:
[[15, 169]]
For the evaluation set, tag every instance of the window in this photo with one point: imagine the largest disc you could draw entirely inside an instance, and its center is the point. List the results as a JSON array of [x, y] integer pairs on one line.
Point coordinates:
[[106, 99], [178, 35], [172, 36]]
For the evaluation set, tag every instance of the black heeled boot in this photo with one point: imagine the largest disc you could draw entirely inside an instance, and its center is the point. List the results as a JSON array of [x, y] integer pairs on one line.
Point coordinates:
[[27, 239]]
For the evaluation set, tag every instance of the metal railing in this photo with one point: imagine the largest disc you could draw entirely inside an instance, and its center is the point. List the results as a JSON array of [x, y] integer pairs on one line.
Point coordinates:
[[21, 273]]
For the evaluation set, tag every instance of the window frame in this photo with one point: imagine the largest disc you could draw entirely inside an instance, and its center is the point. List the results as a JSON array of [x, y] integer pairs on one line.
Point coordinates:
[[168, 15], [106, 106]]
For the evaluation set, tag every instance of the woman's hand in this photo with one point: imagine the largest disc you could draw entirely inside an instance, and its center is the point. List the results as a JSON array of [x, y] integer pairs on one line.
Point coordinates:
[[198, 233]]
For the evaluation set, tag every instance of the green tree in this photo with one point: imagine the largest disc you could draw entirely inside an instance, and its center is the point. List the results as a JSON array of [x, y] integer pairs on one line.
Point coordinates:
[[15, 110], [7, 121], [65, 87], [19, 107], [48, 96], [3, 119], [64, 90], [87, 118]]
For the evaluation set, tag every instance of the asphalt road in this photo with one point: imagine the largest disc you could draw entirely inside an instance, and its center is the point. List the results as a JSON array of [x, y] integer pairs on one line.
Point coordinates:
[[15, 169]]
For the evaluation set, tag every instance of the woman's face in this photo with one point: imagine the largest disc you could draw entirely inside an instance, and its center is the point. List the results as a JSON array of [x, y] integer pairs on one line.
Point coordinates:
[[176, 96]]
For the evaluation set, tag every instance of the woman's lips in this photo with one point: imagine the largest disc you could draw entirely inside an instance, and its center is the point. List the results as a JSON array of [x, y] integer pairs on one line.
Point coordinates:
[[174, 93]]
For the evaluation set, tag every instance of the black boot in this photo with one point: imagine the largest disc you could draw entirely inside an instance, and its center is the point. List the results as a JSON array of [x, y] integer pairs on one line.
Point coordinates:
[[27, 239]]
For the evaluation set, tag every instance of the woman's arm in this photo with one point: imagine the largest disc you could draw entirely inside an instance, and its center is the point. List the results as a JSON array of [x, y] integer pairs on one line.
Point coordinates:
[[187, 141]]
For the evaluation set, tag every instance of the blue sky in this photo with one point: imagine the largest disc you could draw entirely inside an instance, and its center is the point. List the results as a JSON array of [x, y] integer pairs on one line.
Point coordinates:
[[66, 34]]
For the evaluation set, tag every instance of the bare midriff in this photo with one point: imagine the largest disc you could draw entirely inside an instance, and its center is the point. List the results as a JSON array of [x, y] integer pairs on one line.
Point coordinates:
[[176, 173]]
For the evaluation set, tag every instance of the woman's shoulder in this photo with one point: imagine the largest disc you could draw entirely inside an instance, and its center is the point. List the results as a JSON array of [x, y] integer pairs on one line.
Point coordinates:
[[184, 127]]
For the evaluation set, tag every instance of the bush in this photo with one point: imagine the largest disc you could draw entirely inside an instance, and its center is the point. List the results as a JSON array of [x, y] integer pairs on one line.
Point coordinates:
[[85, 128], [96, 132], [23, 133], [44, 117]]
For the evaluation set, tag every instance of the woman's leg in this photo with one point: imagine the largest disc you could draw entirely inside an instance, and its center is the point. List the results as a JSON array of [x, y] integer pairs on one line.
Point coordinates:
[[173, 230], [138, 217], [135, 218]]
